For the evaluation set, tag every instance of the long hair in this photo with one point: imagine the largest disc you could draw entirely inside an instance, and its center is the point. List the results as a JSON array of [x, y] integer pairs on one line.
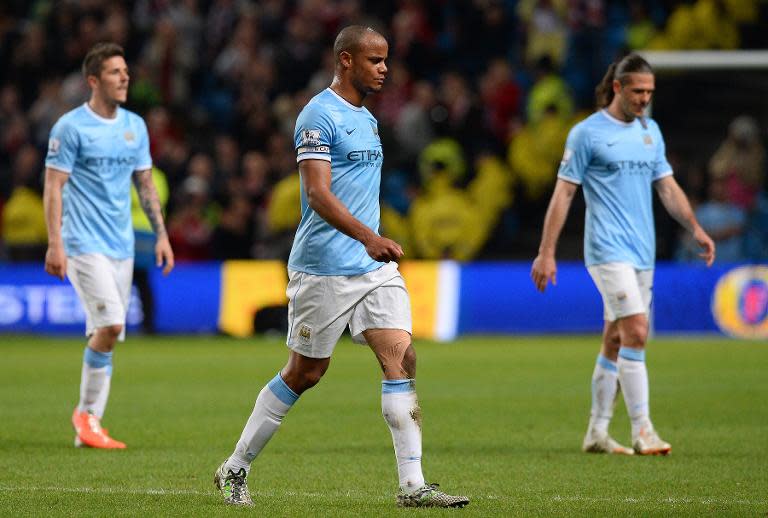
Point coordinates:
[[630, 64]]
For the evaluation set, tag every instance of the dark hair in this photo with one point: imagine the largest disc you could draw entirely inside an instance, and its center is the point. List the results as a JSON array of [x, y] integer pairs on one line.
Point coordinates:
[[630, 64], [98, 54], [349, 38]]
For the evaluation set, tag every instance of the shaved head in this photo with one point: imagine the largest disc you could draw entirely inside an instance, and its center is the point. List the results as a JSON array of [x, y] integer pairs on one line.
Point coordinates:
[[350, 39]]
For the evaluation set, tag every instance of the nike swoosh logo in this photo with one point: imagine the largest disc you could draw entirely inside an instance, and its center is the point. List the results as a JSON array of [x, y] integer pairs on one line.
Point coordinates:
[[349, 132], [609, 144]]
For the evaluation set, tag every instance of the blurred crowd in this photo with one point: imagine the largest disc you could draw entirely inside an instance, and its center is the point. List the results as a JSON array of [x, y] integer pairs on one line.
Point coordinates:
[[473, 118]]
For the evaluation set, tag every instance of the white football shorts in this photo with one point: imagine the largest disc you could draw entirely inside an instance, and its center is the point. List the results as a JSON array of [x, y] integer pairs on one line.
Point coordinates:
[[321, 306], [104, 287], [625, 290]]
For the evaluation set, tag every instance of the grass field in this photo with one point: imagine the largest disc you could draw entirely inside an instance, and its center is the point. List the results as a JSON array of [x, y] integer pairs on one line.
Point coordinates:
[[503, 423]]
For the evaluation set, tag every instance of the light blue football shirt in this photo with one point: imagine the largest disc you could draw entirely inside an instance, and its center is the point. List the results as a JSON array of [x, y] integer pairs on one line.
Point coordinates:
[[329, 128], [100, 156], [616, 164]]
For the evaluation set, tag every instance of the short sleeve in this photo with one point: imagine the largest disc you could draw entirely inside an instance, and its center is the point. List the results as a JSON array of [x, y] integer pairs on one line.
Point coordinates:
[[576, 156], [63, 145], [662, 166], [143, 156], [313, 135]]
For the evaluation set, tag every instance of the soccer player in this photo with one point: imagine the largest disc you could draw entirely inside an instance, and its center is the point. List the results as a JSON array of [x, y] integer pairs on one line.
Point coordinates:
[[94, 152], [343, 273], [616, 155]]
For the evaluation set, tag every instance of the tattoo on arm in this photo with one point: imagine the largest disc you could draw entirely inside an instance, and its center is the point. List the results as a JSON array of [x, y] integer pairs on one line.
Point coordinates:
[[149, 200]]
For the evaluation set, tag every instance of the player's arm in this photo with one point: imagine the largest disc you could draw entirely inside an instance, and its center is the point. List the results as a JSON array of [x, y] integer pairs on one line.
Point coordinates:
[[544, 267], [55, 257], [150, 203], [316, 177], [676, 203]]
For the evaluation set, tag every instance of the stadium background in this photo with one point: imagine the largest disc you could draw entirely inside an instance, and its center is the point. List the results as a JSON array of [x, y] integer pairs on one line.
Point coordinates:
[[473, 118], [219, 83]]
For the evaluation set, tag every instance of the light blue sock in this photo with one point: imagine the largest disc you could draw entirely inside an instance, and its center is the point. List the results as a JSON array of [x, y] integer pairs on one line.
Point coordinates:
[[95, 381], [272, 405], [633, 377], [401, 411], [604, 387]]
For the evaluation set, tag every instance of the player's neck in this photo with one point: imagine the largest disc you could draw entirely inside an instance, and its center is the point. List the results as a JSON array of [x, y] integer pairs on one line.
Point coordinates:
[[347, 92], [102, 108], [615, 111]]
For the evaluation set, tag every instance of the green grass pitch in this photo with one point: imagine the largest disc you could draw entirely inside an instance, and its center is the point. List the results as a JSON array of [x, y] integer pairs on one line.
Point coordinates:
[[503, 423]]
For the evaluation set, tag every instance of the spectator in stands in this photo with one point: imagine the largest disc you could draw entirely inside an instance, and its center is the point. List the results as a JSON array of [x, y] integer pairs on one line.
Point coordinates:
[[463, 116], [641, 29], [45, 110], [546, 30], [533, 153], [15, 127], [444, 221], [414, 129], [548, 92], [501, 98], [740, 162], [724, 221], [233, 236], [190, 228], [170, 63], [23, 224]]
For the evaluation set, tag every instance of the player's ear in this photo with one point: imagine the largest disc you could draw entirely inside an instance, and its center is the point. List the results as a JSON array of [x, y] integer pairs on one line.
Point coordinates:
[[616, 86], [92, 81], [345, 58]]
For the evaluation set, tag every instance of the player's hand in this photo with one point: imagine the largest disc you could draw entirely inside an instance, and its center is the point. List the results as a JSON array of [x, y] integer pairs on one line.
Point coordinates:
[[383, 249], [56, 261], [707, 245], [544, 270], [164, 255]]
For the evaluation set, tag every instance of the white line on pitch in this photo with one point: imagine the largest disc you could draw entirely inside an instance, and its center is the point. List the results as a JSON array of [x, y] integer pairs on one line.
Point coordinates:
[[361, 494]]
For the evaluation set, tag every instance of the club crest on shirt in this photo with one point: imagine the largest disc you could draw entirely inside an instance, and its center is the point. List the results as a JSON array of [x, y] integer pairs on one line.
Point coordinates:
[[310, 137], [129, 136], [375, 129], [647, 140], [53, 145]]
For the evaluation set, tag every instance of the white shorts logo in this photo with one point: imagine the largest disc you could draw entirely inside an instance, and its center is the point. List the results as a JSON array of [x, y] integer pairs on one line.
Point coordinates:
[[305, 334]]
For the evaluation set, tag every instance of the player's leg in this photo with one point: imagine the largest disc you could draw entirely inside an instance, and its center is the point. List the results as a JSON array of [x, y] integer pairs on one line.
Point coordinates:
[[633, 374], [106, 338], [313, 333], [605, 388], [401, 411], [272, 405], [382, 319], [605, 384], [99, 284], [399, 404]]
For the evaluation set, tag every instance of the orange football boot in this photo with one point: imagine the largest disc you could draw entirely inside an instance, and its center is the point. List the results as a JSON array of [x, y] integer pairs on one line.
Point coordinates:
[[91, 434]]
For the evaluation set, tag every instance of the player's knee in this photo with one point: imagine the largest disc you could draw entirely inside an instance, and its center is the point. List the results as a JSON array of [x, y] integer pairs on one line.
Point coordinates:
[[397, 357], [409, 362], [636, 336], [304, 379], [312, 378], [111, 332]]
